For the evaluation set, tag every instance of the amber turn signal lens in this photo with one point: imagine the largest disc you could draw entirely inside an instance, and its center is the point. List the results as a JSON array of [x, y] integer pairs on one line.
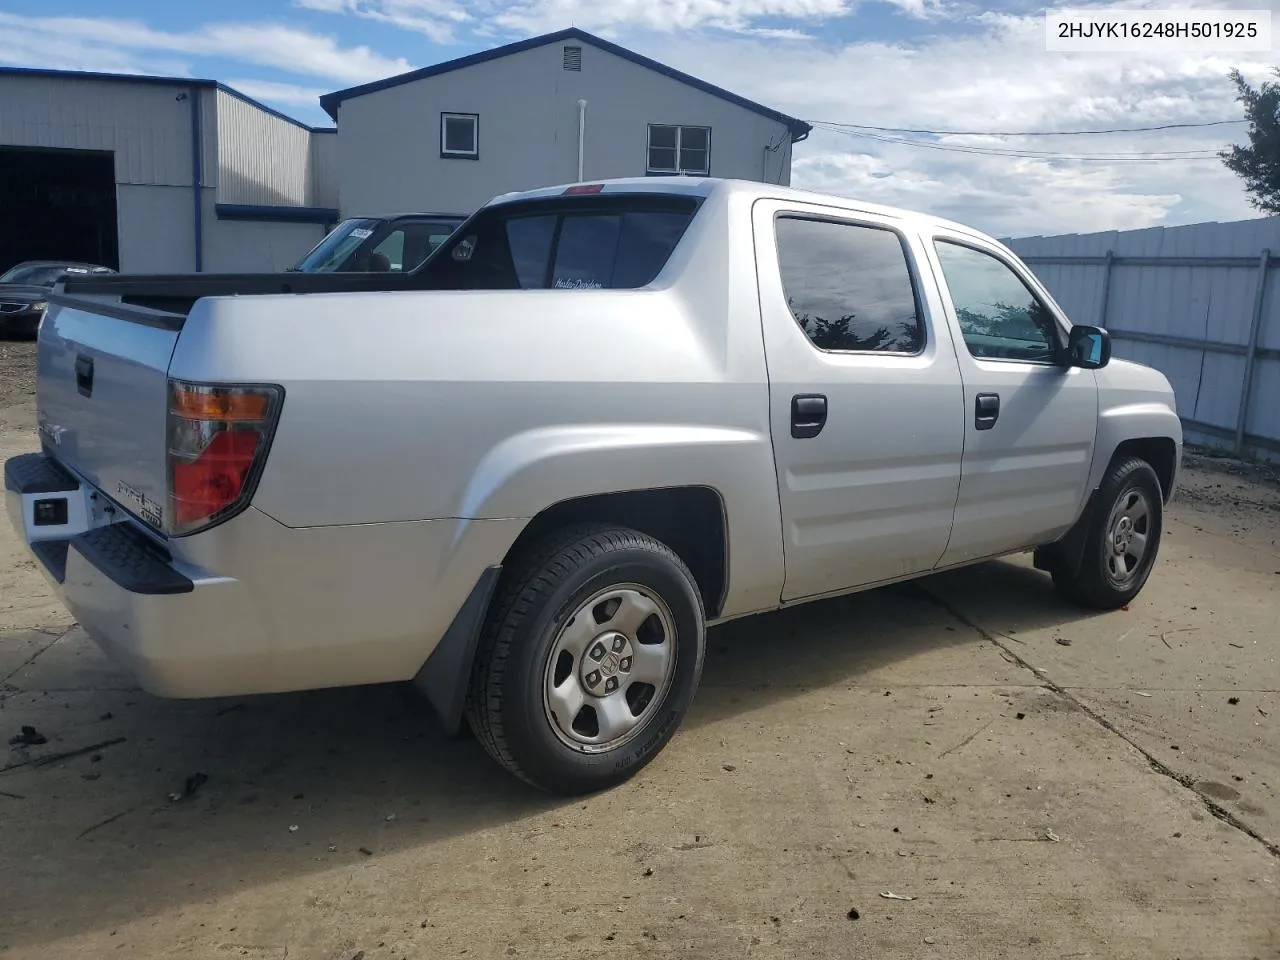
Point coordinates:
[[228, 404]]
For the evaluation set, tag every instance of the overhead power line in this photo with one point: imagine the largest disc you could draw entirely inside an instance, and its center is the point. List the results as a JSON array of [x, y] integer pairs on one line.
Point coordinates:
[[1025, 133], [976, 150]]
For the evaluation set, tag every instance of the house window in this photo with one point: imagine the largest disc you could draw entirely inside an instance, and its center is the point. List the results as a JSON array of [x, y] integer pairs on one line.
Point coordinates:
[[679, 150], [460, 135]]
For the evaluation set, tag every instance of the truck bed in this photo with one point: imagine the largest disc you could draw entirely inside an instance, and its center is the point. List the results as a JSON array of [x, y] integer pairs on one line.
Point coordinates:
[[176, 293]]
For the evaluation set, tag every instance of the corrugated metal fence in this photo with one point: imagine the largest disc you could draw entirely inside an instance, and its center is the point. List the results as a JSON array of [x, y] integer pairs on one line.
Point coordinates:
[[1199, 303]]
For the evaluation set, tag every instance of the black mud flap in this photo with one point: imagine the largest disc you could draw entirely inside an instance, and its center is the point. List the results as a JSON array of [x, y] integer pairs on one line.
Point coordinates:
[[1067, 552], [446, 675]]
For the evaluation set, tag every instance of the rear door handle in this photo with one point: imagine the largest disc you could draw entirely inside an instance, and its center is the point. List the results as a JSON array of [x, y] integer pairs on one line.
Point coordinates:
[[986, 410], [84, 375], [808, 415]]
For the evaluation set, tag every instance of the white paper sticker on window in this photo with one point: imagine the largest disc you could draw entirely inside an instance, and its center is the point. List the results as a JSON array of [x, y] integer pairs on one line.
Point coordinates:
[[362, 233]]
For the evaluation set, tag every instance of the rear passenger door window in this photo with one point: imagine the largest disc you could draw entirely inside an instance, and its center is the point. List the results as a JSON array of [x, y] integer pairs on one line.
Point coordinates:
[[849, 286], [1000, 317]]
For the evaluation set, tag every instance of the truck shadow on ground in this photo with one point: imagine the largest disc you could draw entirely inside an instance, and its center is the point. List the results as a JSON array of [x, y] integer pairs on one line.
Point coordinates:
[[366, 772]]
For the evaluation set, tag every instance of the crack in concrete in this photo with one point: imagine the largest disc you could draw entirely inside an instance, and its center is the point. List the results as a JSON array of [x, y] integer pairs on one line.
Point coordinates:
[[967, 740], [4, 681], [102, 823], [1184, 780]]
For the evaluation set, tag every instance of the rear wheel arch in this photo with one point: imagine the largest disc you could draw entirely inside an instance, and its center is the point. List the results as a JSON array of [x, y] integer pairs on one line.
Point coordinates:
[[691, 520]]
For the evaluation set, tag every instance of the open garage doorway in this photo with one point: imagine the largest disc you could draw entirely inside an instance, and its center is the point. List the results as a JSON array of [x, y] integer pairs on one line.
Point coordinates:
[[57, 205]]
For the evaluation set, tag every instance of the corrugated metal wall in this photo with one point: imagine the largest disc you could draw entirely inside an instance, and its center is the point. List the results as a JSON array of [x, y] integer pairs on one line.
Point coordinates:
[[1187, 301], [146, 126], [249, 155], [323, 188], [262, 159]]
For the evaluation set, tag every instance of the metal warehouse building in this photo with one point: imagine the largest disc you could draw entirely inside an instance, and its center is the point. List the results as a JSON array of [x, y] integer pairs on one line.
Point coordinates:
[[160, 175], [157, 175]]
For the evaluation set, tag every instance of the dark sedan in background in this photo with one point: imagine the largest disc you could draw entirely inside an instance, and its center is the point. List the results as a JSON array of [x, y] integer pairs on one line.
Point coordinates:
[[25, 287]]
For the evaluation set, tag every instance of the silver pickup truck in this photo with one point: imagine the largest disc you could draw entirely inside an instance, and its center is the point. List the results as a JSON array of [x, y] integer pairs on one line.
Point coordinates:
[[530, 473]]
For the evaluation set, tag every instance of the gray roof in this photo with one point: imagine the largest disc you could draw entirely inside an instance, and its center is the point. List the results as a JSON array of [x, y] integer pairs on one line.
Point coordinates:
[[147, 79]]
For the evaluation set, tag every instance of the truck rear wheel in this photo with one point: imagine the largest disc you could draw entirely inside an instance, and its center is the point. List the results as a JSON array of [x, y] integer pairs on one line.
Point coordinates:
[[589, 658], [1120, 548]]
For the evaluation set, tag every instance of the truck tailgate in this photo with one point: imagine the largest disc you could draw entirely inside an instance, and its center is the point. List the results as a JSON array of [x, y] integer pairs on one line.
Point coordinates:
[[102, 397]]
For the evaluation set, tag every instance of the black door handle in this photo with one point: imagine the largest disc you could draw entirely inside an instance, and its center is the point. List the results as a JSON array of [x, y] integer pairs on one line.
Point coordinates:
[[986, 410], [84, 375], [808, 415]]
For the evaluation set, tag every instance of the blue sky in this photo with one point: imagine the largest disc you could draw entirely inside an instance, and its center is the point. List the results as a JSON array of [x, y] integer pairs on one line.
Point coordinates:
[[934, 64]]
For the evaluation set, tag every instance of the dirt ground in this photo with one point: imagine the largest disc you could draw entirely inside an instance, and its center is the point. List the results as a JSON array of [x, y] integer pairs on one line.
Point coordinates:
[[1026, 780]]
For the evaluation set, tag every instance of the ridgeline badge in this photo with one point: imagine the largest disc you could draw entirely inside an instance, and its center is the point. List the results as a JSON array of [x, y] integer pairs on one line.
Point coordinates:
[[148, 510]]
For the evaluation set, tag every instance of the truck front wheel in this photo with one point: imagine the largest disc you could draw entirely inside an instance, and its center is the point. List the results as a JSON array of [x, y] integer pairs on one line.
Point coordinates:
[[1120, 547], [589, 658]]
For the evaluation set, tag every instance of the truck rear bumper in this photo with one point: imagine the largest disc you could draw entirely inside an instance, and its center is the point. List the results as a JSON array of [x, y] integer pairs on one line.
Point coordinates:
[[307, 608], [162, 624]]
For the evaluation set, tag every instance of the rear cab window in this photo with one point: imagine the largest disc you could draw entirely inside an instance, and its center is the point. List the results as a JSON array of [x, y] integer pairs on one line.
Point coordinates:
[[603, 242]]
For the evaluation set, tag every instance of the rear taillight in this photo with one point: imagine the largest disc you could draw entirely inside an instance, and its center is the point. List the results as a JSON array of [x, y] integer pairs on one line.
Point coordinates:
[[218, 438]]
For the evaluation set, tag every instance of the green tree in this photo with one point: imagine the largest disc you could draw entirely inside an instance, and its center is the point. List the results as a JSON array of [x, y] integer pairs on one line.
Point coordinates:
[[1259, 163]]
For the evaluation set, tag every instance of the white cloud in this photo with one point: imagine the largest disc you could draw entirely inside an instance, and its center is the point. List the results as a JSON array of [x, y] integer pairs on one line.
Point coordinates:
[[668, 16], [1005, 196], [996, 76], [26, 45], [976, 70], [274, 92], [441, 19], [436, 19], [268, 44]]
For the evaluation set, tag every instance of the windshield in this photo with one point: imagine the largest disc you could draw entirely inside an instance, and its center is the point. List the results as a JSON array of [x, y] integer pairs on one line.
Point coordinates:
[[43, 274], [330, 253]]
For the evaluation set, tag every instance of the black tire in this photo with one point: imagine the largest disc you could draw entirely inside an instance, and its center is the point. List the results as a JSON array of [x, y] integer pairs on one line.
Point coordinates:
[[539, 591], [1096, 584]]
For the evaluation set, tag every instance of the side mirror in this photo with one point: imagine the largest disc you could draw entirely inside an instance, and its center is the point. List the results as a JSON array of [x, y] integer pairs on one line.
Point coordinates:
[[1088, 347]]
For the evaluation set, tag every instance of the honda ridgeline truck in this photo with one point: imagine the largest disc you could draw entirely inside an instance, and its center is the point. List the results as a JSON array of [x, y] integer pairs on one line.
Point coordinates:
[[528, 474]]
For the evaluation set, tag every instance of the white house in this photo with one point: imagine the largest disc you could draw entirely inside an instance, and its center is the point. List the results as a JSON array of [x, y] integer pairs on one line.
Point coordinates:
[[552, 109]]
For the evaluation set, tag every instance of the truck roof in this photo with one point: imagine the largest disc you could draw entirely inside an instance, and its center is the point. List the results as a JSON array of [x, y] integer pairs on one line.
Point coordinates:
[[707, 186]]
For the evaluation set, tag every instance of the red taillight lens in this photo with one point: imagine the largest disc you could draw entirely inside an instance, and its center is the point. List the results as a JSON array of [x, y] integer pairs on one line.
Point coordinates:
[[217, 440]]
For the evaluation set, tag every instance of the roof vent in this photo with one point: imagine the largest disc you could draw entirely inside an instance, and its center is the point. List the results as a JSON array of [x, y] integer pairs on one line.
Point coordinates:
[[573, 59]]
